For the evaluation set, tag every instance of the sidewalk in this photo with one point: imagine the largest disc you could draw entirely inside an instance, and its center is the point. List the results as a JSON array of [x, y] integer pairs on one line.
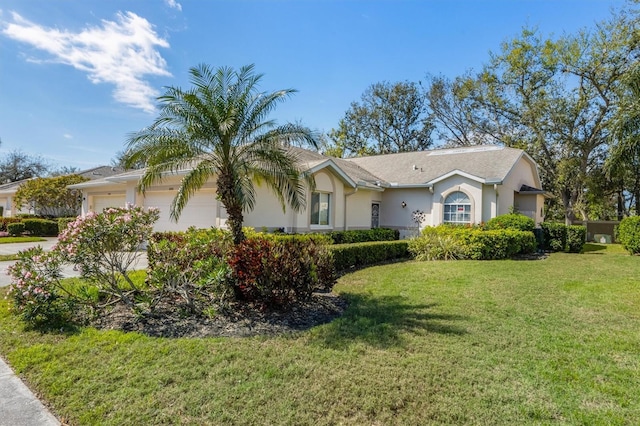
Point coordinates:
[[18, 405]]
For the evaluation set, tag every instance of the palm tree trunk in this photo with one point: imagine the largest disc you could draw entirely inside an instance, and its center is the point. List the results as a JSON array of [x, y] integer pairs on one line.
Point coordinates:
[[233, 206]]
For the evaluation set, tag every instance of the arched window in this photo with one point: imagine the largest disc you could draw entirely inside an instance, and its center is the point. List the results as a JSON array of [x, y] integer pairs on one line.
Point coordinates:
[[457, 208]]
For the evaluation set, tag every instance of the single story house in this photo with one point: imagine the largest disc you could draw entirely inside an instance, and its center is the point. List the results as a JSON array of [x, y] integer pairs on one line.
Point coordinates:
[[8, 207], [403, 191]]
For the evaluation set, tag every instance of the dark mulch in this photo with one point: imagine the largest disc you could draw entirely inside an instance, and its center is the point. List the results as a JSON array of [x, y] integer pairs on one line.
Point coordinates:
[[238, 320]]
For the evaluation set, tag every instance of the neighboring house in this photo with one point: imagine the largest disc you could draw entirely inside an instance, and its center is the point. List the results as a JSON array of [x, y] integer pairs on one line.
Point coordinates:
[[8, 191], [462, 185]]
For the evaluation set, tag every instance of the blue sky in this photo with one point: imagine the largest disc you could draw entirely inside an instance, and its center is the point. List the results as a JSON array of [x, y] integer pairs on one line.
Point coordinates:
[[77, 76]]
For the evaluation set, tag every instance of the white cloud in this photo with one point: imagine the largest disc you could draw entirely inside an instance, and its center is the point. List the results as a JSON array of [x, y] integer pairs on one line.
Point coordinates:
[[67, 136], [119, 52], [174, 4]]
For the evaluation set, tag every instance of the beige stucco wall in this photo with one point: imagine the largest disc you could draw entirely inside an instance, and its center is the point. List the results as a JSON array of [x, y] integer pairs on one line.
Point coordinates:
[[358, 208], [393, 215], [489, 202]]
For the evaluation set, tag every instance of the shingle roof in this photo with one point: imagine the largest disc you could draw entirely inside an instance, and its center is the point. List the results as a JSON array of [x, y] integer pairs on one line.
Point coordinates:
[[488, 163], [413, 168], [310, 159]]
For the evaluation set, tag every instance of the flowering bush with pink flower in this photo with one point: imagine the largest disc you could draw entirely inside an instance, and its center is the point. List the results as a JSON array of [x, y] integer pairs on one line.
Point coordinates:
[[38, 298], [106, 246]]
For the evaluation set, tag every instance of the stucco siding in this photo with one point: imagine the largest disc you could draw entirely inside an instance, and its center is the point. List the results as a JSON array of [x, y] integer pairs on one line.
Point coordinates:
[[358, 208], [489, 203], [393, 215]]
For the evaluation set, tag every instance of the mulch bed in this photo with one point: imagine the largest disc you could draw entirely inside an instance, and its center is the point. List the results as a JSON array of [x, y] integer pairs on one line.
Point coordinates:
[[238, 320]]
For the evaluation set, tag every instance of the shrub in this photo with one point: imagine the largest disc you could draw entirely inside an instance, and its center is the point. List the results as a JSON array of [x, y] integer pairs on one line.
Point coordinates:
[[276, 273], [447, 242], [576, 237], [272, 270], [346, 256], [190, 265], [433, 246], [4, 221], [555, 236], [498, 244], [41, 227], [36, 294], [15, 229], [629, 234], [315, 238], [105, 247], [364, 235], [516, 221], [22, 216]]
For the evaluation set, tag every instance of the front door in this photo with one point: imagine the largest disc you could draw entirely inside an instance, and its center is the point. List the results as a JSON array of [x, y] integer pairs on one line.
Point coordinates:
[[375, 215]]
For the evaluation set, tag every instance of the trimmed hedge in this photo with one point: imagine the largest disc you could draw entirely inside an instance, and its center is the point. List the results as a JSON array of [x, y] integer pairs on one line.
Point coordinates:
[[346, 256], [15, 229], [629, 234], [516, 221], [364, 235], [41, 227], [560, 237]]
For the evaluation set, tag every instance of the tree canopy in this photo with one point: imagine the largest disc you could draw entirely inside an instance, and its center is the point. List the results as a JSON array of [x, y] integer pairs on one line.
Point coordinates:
[[50, 196], [17, 165], [390, 117]]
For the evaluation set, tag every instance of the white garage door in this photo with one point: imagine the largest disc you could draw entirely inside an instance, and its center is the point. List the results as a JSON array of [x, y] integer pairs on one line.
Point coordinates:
[[199, 212], [101, 202]]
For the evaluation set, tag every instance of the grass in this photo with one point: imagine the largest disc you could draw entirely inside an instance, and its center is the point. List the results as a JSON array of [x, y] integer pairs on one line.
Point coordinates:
[[6, 257], [464, 342], [10, 240]]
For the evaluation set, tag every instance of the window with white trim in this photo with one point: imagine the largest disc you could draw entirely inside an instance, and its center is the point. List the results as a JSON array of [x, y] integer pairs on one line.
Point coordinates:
[[320, 208], [457, 208]]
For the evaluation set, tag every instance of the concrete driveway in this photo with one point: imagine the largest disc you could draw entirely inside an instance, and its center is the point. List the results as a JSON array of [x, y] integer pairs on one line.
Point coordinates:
[[67, 270]]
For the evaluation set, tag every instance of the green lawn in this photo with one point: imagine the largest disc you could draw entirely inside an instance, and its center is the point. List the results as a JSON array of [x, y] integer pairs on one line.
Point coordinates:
[[10, 240], [467, 342]]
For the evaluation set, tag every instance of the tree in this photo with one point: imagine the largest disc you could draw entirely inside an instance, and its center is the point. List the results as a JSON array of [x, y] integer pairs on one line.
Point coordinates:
[[64, 170], [50, 196], [122, 160], [557, 99], [457, 118], [389, 118], [19, 166], [219, 129], [623, 164]]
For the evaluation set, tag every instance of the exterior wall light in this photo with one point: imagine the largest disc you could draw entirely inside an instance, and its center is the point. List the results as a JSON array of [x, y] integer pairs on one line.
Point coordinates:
[[403, 204]]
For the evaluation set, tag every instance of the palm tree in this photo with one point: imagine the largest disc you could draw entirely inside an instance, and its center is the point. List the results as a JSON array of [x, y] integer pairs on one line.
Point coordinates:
[[219, 129]]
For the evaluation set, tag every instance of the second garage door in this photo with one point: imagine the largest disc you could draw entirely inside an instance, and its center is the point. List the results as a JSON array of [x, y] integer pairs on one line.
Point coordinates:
[[199, 212], [101, 202]]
